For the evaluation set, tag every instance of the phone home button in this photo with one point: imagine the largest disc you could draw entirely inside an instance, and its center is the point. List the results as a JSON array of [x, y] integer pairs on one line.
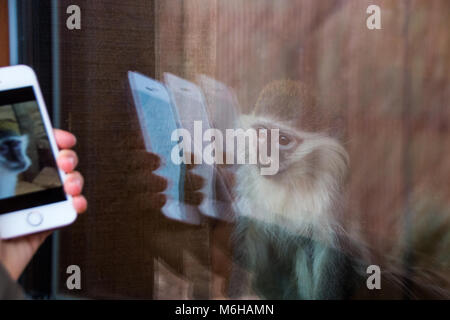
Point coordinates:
[[34, 218]]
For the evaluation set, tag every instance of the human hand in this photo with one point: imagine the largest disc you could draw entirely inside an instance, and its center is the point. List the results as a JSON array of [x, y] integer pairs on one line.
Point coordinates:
[[15, 254]]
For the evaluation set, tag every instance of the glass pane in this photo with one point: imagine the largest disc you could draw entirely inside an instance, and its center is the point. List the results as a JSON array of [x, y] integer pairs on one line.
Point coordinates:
[[360, 119]]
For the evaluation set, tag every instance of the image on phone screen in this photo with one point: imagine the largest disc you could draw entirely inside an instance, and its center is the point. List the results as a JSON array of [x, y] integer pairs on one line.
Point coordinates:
[[28, 173]]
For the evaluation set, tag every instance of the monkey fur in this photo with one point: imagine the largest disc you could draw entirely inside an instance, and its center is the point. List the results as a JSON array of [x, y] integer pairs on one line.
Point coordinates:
[[287, 230]]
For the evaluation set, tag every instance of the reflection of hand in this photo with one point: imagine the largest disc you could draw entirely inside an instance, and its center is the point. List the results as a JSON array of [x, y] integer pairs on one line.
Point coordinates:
[[154, 185], [15, 254], [193, 184]]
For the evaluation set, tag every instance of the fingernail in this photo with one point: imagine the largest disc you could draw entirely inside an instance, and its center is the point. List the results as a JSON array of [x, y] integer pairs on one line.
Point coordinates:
[[71, 161], [77, 183]]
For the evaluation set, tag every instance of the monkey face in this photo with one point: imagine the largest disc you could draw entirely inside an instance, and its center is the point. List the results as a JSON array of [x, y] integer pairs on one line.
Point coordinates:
[[13, 155], [287, 141], [301, 153]]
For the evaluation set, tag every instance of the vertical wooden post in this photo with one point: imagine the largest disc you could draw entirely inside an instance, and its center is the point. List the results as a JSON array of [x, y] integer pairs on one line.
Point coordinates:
[[4, 34]]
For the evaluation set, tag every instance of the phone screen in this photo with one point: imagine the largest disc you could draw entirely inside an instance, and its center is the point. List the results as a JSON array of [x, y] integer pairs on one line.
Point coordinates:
[[28, 173]]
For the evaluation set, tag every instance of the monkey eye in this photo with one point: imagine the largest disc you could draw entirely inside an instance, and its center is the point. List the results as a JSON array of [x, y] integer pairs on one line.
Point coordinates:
[[284, 140]]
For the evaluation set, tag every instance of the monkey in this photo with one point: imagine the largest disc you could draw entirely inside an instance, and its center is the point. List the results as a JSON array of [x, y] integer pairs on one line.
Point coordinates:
[[13, 160], [287, 231]]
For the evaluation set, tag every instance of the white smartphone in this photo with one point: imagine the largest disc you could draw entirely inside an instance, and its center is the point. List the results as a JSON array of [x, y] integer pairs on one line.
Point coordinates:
[[32, 197]]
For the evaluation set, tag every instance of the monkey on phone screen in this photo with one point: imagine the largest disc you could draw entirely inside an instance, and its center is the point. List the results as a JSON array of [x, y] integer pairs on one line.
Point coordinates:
[[13, 160]]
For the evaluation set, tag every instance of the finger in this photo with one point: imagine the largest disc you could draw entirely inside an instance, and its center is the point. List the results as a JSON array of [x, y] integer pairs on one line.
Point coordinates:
[[64, 139], [73, 185], [157, 201], [157, 184], [152, 201], [67, 160], [194, 182], [140, 159], [147, 183], [153, 160], [193, 198], [80, 204]]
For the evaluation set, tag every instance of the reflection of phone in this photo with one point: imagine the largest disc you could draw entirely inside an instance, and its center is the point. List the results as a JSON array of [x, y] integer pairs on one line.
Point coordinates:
[[189, 102], [32, 197], [222, 107], [221, 103], [158, 120]]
